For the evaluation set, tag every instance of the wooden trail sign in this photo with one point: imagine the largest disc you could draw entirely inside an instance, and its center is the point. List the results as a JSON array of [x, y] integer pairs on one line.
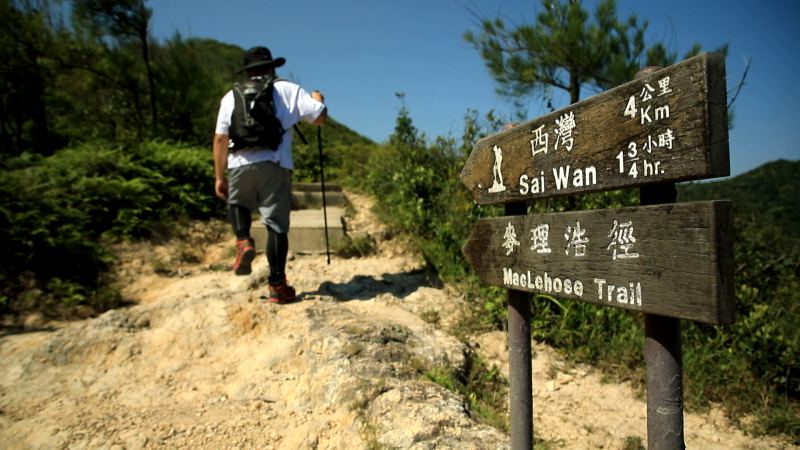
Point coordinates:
[[670, 260], [668, 126], [673, 260]]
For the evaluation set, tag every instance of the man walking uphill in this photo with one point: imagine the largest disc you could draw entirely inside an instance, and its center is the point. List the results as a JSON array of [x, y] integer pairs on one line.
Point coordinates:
[[253, 141]]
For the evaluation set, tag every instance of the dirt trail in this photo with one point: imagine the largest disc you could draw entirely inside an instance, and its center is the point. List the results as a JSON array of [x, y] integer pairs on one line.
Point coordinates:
[[202, 361]]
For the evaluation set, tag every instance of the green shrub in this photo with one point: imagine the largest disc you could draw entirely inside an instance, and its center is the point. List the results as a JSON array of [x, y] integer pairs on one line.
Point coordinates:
[[482, 386], [60, 212]]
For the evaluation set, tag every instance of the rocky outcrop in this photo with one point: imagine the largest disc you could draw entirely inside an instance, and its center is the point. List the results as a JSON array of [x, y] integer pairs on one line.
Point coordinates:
[[203, 361]]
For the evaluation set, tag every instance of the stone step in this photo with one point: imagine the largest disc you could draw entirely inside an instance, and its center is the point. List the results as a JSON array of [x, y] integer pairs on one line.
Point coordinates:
[[307, 230], [316, 187], [313, 199]]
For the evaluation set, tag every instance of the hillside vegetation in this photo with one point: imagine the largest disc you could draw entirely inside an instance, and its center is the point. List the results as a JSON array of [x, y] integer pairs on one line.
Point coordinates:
[[767, 195], [759, 356], [62, 213], [751, 367]]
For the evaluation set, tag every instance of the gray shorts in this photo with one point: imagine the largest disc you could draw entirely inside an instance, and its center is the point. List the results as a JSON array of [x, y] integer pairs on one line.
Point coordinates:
[[264, 186]]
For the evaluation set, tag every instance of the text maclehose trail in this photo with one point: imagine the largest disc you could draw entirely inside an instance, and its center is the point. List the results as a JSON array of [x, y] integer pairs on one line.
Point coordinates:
[[630, 294]]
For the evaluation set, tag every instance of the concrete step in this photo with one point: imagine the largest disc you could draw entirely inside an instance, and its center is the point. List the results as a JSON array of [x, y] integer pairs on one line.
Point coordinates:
[[309, 196], [307, 230], [316, 187], [313, 199]]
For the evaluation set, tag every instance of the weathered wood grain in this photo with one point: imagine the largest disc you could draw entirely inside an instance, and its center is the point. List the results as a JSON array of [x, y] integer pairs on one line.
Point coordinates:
[[683, 265], [676, 118]]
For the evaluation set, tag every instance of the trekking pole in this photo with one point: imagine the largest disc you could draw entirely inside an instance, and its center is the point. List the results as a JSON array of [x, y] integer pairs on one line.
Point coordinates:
[[322, 181], [300, 134]]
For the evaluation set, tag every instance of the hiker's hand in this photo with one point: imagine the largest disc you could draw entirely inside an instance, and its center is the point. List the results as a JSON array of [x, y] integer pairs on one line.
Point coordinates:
[[221, 189], [317, 95]]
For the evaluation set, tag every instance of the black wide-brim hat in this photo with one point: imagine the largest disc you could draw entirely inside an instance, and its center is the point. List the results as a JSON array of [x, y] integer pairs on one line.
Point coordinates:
[[260, 57]]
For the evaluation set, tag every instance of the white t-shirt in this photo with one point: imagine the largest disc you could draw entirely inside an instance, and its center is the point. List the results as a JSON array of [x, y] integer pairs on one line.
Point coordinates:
[[292, 104]]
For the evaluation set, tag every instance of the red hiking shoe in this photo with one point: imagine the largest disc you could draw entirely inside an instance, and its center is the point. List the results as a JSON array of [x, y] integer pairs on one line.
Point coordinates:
[[245, 254], [281, 293]]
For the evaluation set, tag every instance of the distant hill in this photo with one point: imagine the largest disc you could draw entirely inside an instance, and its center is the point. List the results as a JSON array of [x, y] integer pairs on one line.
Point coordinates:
[[768, 195], [334, 133], [344, 152]]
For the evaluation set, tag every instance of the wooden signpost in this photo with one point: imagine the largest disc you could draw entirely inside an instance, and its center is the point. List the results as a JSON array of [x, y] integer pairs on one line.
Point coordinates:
[[669, 261], [669, 126]]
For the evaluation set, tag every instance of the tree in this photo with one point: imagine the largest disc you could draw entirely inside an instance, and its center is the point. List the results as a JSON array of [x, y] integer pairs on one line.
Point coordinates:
[[406, 138], [124, 20], [193, 74], [26, 38], [99, 76], [566, 49]]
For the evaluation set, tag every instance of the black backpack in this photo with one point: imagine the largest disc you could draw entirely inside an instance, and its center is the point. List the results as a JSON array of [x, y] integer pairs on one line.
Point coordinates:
[[254, 123]]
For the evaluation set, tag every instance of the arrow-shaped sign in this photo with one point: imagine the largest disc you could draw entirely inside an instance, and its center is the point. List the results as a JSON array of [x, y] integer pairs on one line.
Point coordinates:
[[668, 126], [673, 260]]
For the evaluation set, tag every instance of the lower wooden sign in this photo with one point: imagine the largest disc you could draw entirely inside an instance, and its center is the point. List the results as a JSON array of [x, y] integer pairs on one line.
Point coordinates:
[[673, 260]]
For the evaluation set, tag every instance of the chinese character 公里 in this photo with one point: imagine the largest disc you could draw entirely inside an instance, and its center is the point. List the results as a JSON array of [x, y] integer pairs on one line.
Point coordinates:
[[663, 86], [647, 93]]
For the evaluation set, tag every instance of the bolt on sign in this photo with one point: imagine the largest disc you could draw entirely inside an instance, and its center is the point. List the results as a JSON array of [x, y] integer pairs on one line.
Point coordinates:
[[668, 126], [674, 260]]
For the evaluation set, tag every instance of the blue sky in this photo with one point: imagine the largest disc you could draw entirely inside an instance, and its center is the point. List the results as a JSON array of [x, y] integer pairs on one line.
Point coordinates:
[[361, 52]]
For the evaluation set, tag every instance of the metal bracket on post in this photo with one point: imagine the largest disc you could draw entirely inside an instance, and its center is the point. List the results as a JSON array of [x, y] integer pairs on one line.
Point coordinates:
[[519, 357]]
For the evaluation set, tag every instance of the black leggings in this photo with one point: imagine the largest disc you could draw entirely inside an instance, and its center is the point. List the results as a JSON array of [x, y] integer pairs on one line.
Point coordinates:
[[277, 243], [277, 249], [240, 218]]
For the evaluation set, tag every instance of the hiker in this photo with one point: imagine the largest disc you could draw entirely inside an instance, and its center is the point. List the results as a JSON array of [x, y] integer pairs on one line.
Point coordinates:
[[256, 151]]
